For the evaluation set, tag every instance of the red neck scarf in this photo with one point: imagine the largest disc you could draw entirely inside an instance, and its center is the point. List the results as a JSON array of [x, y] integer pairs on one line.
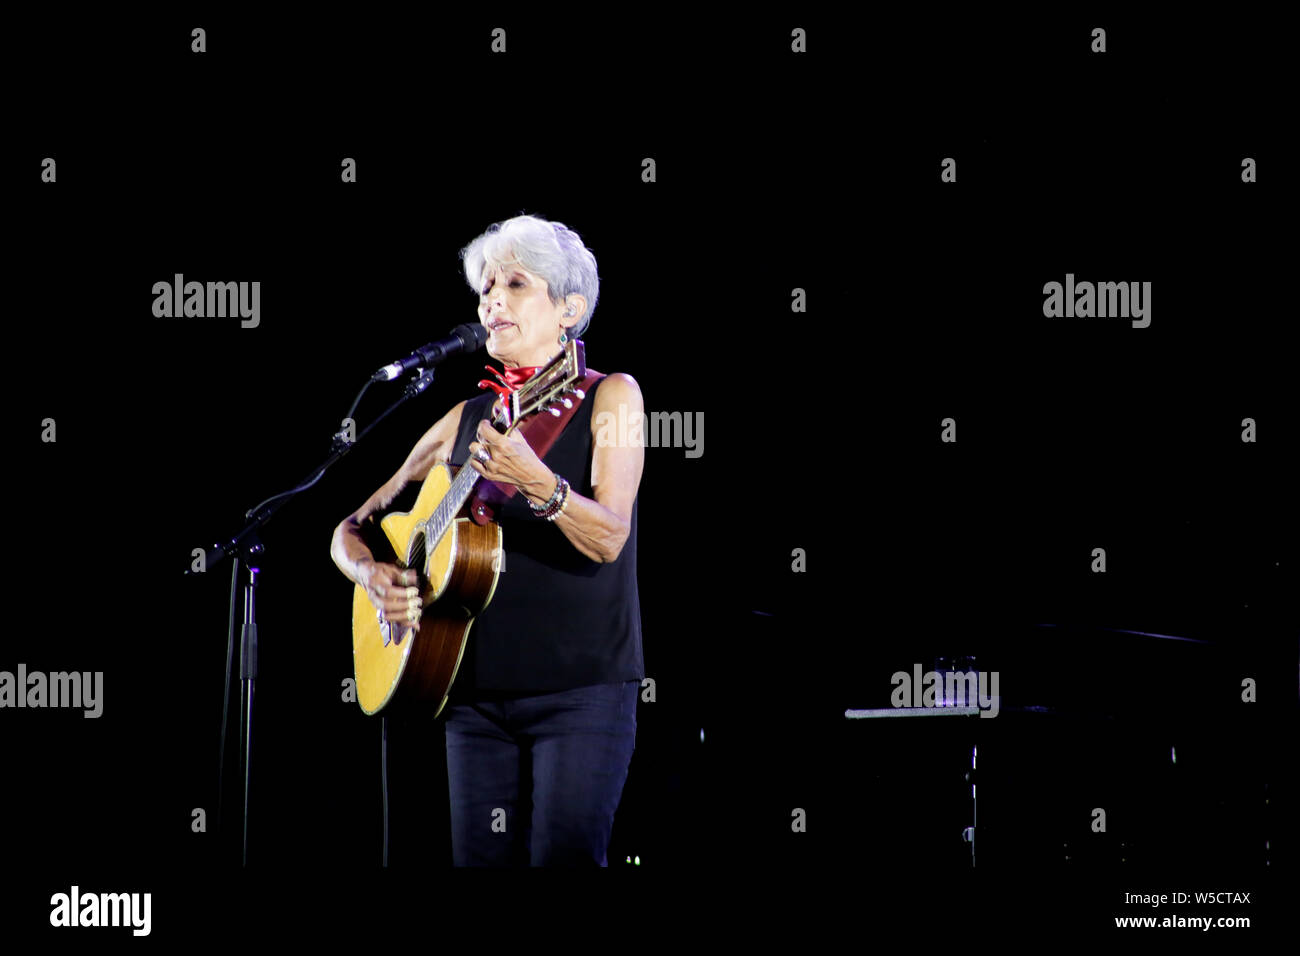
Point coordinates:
[[510, 382]]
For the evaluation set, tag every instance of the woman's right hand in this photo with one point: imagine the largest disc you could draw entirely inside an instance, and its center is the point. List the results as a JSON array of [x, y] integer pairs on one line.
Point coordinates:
[[394, 591]]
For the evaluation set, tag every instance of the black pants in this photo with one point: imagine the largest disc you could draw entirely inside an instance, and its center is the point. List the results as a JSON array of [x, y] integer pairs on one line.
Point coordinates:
[[536, 780]]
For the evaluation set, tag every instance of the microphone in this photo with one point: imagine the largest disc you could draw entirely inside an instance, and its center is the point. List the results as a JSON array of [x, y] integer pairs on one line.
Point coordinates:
[[463, 338]]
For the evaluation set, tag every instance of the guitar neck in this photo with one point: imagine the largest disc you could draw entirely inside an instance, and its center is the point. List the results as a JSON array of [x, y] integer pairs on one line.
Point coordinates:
[[462, 486]]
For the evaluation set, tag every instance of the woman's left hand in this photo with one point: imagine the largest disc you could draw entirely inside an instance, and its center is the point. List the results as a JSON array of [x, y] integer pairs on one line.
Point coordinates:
[[510, 459]]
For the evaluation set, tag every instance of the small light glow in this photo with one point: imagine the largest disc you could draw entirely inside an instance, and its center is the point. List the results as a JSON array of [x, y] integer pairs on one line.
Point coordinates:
[[701, 735], [1173, 755], [637, 861]]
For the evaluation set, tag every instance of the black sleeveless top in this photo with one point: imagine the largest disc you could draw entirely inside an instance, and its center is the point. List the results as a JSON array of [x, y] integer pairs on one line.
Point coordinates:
[[558, 620]]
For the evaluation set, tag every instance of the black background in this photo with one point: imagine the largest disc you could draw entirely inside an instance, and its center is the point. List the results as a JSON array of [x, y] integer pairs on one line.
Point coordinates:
[[774, 171]]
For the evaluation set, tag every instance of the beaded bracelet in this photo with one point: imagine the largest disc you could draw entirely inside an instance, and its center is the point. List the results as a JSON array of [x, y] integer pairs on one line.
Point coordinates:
[[564, 500], [553, 506], [556, 504], [545, 507]]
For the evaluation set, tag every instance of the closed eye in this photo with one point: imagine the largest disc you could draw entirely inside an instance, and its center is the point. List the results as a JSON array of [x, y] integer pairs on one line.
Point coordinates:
[[517, 279]]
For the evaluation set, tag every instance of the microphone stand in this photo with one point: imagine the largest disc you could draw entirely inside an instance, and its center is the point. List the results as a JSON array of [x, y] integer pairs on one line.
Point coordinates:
[[242, 548]]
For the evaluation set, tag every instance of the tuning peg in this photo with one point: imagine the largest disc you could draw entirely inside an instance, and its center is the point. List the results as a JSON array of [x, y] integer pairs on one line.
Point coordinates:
[[580, 393], [554, 411], [566, 403]]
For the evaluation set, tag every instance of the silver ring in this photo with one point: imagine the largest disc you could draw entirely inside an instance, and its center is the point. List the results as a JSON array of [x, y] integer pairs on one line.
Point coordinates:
[[483, 455]]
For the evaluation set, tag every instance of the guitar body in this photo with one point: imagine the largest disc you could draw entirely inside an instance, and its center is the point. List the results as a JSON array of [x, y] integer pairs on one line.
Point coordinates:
[[398, 665]]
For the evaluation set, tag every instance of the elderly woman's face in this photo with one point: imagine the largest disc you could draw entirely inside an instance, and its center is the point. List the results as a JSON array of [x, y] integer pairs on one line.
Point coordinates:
[[523, 325]]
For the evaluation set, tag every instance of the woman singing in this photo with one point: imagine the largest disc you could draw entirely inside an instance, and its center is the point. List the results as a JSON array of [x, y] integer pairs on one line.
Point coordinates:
[[541, 722]]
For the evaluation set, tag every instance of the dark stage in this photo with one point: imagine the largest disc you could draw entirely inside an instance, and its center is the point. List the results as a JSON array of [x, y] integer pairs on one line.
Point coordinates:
[[897, 459]]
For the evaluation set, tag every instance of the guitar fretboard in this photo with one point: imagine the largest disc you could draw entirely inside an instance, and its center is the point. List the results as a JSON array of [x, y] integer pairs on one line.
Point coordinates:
[[445, 513]]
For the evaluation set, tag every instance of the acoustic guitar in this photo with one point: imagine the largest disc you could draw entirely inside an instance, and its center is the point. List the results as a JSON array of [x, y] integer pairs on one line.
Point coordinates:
[[412, 666]]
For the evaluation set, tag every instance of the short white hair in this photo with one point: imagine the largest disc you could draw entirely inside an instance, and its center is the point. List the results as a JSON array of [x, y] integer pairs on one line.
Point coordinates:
[[548, 249]]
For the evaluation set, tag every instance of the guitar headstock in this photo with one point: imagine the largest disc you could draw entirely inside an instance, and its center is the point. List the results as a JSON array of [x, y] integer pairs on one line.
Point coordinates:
[[550, 386]]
